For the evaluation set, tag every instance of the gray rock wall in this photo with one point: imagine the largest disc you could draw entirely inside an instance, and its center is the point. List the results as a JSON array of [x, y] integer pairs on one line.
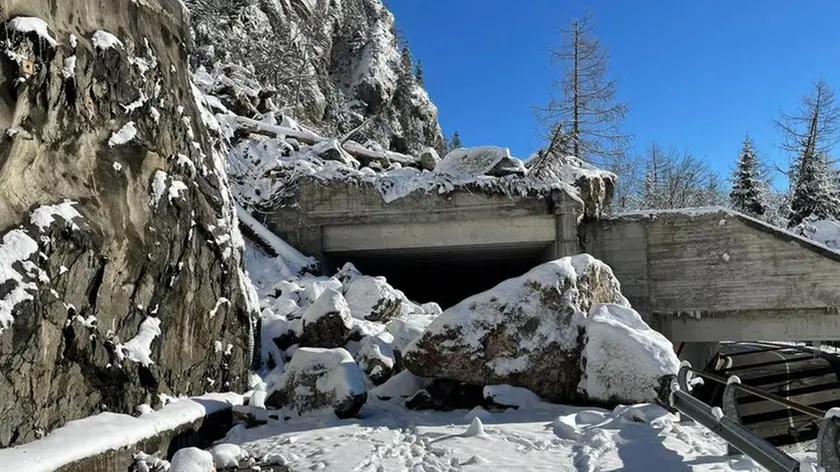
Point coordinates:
[[129, 257]]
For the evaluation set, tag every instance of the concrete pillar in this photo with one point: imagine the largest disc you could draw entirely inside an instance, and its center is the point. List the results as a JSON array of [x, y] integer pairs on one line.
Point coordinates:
[[567, 211]]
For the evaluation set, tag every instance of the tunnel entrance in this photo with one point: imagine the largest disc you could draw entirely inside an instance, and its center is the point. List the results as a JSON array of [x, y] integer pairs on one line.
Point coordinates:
[[445, 275]]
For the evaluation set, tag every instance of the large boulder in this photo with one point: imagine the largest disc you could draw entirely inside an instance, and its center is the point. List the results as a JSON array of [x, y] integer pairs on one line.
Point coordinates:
[[319, 380], [121, 258], [327, 322], [472, 161], [527, 331], [372, 299]]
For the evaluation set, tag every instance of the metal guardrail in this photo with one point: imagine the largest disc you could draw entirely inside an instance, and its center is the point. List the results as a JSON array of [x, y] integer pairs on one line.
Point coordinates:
[[726, 423]]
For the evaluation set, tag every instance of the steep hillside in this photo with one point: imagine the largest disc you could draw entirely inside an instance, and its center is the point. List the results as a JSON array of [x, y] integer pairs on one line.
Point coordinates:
[[121, 274], [331, 64]]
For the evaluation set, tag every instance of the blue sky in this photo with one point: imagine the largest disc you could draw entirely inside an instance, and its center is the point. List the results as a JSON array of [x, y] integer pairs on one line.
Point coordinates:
[[698, 74]]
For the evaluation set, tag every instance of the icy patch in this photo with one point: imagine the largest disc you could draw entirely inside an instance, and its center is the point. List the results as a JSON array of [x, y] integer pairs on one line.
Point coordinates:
[[126, 134], [139, 348], [105, 40], [16, 247], [30, 24], [44, 216]]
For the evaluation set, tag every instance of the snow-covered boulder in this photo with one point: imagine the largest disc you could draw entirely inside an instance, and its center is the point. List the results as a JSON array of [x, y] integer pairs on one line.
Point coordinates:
[[331, 150], [429, 159], [625, 358], [192, 459], [372, 299], [228, 455], [508, 166], [403, 385], [472, 161], [406, 329], [526, 332], [327, 322], [318, 380], [376, 357]]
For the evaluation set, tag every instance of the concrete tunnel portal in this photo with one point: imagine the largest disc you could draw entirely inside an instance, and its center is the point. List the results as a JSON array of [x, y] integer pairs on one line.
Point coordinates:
[[445, 275]]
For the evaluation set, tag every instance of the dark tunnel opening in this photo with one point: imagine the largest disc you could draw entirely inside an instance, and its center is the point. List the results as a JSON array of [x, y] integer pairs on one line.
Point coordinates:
[[445, 276]]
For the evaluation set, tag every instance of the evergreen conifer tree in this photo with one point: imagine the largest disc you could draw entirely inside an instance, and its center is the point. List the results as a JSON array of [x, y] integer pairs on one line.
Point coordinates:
[[749, 191], [455, 143]]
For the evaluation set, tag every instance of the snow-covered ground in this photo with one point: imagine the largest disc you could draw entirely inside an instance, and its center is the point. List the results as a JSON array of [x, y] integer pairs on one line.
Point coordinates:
[[389, 437]]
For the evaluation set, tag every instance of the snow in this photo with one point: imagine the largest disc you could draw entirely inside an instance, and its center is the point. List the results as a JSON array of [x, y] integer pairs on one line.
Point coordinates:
[[116, 166], [366, 294], [221, 301], [555, 437], [624, 357], [717, 413], [176, 188], [407, 329], [126, 134], [105, 431], [508, 395], [29, 24], [68, 70], [44, 216], [191, 459], [227, 455], [105, 40], [476, 429], [158, 187], [402, 385], [825, 232], [139, 347], [16, 247]]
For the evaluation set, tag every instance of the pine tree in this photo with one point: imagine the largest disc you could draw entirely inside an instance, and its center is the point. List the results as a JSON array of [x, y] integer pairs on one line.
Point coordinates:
[[418, 73], [749, 190], [406, 74], [455, 143], [814, 193]]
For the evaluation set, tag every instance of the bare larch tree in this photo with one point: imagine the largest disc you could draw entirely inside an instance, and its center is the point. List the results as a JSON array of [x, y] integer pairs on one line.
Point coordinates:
[[585, 98]]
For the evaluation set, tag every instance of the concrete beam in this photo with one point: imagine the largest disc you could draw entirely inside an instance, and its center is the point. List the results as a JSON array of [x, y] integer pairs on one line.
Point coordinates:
[[440, 234], [814, 324]]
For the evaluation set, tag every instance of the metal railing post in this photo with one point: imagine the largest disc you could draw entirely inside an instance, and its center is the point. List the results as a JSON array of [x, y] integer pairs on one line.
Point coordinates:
[[733, 432], [729, 405]]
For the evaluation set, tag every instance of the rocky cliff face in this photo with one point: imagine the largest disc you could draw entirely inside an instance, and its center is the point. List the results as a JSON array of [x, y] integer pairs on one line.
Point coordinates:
[[332, 64], [120, 259]]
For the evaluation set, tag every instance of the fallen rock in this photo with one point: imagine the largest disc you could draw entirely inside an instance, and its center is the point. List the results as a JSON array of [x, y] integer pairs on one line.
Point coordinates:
[[376, 357], [508, 166], [331, 150], [327, 322], [526, 332], [318, 380], [372, 299], [625, 358], [191, 459], [407, 328], [472, 161], [429, 159]]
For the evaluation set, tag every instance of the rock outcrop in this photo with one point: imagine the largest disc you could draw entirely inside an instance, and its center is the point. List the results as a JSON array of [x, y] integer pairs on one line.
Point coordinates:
[[527, 331], [334, 65], [121, 262]]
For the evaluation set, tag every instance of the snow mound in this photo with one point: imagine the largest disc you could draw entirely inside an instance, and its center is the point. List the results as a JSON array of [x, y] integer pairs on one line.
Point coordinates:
[[191, 459], [44, 216], [105, 40], [402, 385], [508, 395], [825, 232], [476, 429], [625, 358], [227, 455], [372, 298]]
